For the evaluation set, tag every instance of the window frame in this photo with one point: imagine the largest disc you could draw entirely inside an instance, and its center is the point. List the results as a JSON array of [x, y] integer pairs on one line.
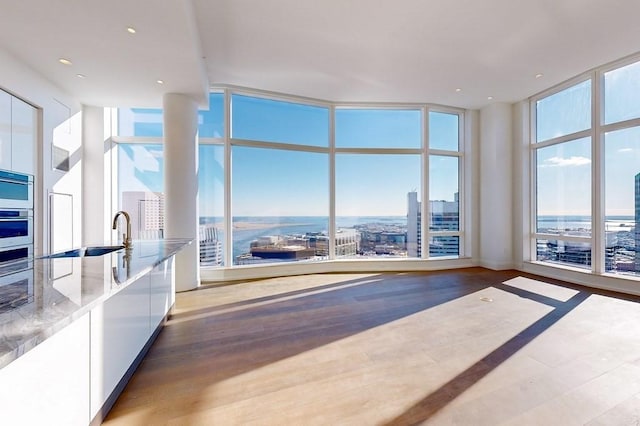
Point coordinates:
[[228, 142], [596, 133]]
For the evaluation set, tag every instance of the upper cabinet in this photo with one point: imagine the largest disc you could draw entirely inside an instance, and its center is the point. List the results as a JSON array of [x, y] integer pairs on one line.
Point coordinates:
[[23, 136], [18, 124], [5, 130]]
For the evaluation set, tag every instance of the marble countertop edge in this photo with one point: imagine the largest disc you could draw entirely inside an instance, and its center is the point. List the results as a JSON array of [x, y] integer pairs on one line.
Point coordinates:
[[26, 329]]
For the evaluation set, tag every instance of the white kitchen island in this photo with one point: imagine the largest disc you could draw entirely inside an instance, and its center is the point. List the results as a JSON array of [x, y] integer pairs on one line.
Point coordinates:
[[78, 328]]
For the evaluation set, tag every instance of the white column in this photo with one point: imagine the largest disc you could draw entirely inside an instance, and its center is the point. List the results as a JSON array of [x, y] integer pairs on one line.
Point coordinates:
[[181, 184], [496, 176], [522, 248], [94, 224]]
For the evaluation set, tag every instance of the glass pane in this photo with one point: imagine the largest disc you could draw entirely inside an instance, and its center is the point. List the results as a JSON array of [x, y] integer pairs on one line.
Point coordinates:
[[371, 203], [280, 205], [378, 128], [140, 188], [622, 93], [277, 121], [564, 253], [564, 188], [444, 206], [622, 201], [565, 112], [142, 122], [211, 121], [444, 246], [211, 204], [443, 131]]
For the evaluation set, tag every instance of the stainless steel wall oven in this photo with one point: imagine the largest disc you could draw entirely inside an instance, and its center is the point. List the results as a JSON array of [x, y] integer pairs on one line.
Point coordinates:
[[16, 228], [16, 190]]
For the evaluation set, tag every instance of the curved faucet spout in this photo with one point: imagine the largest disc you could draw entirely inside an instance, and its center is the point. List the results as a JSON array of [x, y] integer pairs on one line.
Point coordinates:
[[126, 238]]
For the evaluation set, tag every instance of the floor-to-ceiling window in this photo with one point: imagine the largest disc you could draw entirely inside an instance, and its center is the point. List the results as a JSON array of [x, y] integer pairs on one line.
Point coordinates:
[[621, 139], [279, 180], [377, 166], [586, 152], [284, 179], [139, 187], [445, 156]]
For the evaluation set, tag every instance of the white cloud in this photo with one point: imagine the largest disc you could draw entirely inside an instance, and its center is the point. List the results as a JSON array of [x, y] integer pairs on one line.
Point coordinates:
[[625, 150], [566, 162]]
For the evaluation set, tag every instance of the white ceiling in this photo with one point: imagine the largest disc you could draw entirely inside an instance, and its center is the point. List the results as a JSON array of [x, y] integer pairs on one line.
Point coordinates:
[[340, 50]]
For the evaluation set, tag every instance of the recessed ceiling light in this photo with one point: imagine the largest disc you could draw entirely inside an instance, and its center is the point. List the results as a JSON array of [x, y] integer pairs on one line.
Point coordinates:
[[490, 98], [131, 30], [160, 81], [65, 61], [458, 90], [80, 75], [539, 75]]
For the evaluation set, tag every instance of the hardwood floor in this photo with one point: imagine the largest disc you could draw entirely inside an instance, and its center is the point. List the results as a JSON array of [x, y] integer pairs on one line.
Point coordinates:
[[464, 347]]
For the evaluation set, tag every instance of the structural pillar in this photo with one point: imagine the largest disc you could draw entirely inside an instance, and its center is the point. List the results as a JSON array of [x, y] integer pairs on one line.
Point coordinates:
[[181, 184], [496, 188], [95, 221]]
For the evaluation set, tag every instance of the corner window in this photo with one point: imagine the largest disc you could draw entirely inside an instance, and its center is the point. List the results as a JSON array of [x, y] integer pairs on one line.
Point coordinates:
[[587, 173]]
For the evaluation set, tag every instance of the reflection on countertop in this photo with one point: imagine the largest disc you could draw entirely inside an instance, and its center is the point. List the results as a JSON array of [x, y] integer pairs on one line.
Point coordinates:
[[40, 300]]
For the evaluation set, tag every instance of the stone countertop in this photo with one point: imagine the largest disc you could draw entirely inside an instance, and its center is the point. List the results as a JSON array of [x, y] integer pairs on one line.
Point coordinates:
[[39, 297]]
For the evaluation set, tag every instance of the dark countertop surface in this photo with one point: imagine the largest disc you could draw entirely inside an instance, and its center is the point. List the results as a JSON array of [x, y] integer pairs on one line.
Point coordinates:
[[39, 296]]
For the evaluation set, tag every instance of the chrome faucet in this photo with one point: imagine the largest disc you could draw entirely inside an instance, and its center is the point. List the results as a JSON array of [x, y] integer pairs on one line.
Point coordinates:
[[126, 238]]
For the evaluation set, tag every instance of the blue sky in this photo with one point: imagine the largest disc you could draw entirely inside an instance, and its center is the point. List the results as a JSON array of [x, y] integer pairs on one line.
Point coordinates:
[[270, 182], [291, 183], [564, 171]]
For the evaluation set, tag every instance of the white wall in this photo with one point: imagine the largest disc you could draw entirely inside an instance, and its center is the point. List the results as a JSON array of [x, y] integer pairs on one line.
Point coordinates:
[[496, 175], [60, 120]]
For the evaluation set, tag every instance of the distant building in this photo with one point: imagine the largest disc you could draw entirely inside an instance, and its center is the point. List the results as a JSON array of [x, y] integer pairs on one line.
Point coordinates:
[[283, 252], [414, 223], [146, 210], [210, 246], [392, 238], [443, 216], [347, 242]]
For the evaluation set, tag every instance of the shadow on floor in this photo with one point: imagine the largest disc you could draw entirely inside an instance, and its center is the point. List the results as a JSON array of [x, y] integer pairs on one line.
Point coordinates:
[[205, 346], [435, 401]]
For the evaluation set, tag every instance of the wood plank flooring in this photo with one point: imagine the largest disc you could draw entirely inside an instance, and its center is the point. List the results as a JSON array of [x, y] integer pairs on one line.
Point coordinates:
[[463, 347]]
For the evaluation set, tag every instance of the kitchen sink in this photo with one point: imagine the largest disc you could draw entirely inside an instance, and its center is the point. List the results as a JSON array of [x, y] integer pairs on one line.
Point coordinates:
[[84, 252]]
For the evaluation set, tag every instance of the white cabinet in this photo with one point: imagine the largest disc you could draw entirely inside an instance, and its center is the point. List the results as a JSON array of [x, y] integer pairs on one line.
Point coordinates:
[[161, 292], [122, 326], [119, 331], [49, 385], [68, 378], [23, 136], [5, 130], [18, 125]]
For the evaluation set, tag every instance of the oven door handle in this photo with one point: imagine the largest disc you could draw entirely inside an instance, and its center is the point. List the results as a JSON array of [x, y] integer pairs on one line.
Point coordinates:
[[18, 182], [22, 216]]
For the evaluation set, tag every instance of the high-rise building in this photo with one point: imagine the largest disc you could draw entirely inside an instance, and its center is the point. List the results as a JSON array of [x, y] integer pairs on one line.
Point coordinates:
[[637, 225], [414, 223], [146, 210], [210, 246], [443, 216]]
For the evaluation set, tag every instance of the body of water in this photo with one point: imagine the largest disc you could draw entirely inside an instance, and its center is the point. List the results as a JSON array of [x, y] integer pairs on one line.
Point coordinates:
[[260, 226], [612, 223]]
